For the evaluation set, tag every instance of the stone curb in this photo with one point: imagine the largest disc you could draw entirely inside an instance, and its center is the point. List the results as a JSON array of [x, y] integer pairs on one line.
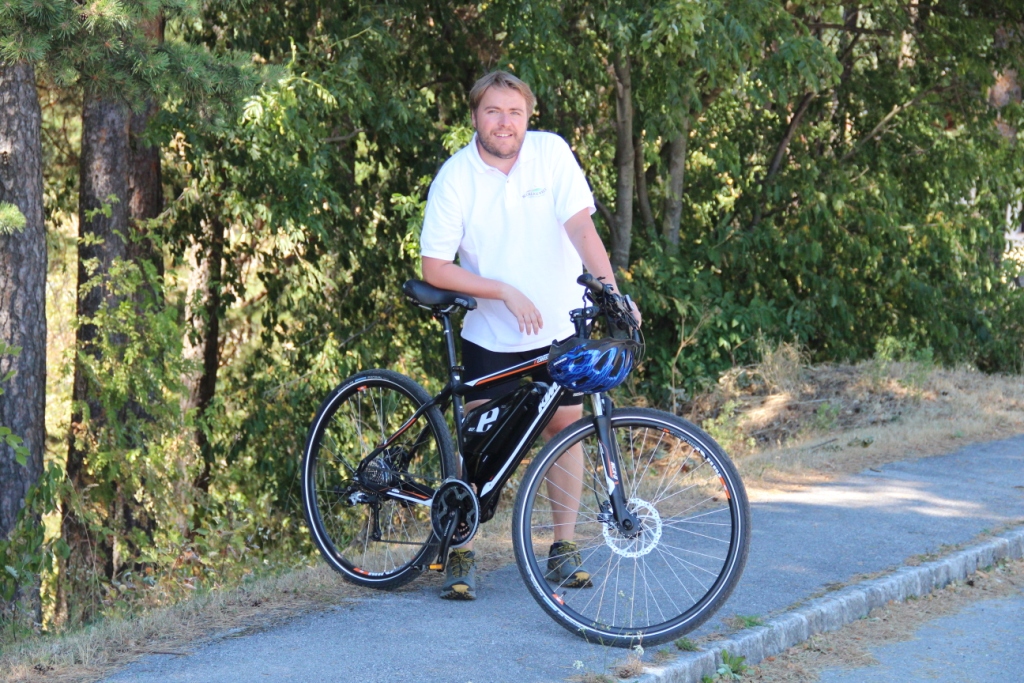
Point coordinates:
[[832, 612]]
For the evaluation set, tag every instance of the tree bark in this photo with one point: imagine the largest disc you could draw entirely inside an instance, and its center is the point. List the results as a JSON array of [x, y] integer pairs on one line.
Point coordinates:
[[624, 161], [104, 190], [673, 213], [794, 123], [145, 182], [22, 291], [202, 344], [642, 197]]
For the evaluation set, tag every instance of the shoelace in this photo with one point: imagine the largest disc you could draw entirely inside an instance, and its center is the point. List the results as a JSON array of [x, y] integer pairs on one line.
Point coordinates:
[[461, 563]]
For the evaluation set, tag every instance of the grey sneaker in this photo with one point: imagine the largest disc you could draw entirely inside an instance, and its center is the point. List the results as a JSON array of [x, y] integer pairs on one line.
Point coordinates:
[[460, 581], [565, 566]]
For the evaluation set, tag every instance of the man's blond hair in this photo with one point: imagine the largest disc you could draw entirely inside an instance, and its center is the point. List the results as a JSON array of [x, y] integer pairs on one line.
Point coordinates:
[[501, 79]]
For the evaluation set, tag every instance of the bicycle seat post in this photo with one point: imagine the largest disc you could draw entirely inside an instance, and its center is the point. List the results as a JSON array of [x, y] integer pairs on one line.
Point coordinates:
[[454, 370]]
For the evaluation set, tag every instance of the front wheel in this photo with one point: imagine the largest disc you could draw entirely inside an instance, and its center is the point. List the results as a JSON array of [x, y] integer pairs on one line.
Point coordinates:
[[665, 578], [370, 517]]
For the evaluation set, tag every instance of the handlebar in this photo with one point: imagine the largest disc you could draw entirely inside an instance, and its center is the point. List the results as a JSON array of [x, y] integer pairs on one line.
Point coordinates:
[[593, 284], [616, 309]]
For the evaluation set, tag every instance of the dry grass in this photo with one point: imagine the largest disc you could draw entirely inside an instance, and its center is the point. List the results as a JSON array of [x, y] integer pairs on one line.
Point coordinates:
[[780, 434], [631, 667], [843, 419], [90, 653], [850, 646]]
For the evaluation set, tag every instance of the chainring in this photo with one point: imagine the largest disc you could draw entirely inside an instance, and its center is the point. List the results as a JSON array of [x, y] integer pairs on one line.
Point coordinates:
[[455, 495]]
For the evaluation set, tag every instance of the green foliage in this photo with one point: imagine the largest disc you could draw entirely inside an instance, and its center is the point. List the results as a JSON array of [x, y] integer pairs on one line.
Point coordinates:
[[686, 645], [724, 429], [732, 667], [918, 363], [748, 621], [826, 417], [12, 220], [845, 183], [13, 441], [105, 48], [27, 552]]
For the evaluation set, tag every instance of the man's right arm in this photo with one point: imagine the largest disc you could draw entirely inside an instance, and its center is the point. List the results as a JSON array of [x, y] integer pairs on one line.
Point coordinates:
[[447, 275]]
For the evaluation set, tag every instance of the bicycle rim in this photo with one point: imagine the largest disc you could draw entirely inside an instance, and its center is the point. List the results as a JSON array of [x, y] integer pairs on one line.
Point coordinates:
[[672, 575], [371, 537]]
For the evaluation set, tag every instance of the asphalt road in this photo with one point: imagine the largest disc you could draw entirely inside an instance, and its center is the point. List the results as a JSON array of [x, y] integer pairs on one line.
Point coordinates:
[[804, 542]]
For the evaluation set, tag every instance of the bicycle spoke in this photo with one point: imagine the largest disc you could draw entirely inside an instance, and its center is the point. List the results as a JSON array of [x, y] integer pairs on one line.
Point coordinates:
[[666, 575], [345, 488]]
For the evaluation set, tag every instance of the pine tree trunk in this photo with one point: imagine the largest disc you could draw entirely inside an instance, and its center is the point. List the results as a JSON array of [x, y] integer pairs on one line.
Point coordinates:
[[203, 342], [145, 183], [22, 292], [624, 157], [145, 188], [104, 183], [674, 197]]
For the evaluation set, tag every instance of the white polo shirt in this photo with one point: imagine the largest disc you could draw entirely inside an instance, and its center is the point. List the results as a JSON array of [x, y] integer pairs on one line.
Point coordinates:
[[512, 229]]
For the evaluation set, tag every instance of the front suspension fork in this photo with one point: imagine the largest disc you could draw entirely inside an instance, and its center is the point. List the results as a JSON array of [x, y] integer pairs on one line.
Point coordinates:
[[626, 522]]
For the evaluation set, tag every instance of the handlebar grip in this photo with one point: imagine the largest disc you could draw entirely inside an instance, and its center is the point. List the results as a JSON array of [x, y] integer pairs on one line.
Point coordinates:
[[591, 283]]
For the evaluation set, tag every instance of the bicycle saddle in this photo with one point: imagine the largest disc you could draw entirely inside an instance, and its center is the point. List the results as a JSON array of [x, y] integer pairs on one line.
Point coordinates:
[[428, 296]]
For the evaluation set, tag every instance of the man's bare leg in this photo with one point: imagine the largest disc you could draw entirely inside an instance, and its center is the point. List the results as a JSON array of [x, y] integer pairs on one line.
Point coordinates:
[[565, 478]]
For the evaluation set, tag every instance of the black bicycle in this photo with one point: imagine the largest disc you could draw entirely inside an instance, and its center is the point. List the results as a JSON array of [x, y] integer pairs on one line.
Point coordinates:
[[662, 526]]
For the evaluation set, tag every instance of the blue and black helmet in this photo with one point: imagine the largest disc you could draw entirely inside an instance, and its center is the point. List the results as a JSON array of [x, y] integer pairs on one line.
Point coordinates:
[[592, 365]]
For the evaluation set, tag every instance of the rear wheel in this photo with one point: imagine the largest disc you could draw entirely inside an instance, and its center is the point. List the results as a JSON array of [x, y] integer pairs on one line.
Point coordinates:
[[370, 516], [668, 576]]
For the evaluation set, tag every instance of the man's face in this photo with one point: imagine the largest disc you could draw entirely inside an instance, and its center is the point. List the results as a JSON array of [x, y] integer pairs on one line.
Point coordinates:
[[500, 122]]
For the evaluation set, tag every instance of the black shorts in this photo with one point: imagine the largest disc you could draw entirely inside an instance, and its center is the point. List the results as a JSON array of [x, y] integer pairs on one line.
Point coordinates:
[[478, 362]]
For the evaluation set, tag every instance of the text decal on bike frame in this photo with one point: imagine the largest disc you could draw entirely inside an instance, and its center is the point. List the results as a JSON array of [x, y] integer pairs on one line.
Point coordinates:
[[488, 419], [611, 476], [542, 409]]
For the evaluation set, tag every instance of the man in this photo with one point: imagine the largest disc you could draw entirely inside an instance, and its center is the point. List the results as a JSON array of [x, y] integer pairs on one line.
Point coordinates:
[[516, 209]]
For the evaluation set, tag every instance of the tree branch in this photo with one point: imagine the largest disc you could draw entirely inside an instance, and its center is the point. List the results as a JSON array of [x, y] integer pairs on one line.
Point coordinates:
[[877, 130], [674, 196], [710, 96], [623, 225], [851, 29], [605, 213], [794, 122], [344, 138], [641, 182]]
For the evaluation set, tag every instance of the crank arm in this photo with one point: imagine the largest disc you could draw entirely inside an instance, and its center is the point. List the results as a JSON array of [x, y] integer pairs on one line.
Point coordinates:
[[449, 531]]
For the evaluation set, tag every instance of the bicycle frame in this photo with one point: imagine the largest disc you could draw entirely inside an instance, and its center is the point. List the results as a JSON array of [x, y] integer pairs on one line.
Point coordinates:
[[488, 491]]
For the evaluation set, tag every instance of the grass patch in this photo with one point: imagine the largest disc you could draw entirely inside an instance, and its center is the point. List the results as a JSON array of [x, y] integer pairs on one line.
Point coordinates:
[[744, 621], [686, 645]]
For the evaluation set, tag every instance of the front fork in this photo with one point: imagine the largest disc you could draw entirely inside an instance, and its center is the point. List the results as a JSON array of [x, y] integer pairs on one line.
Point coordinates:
[[619, 514]]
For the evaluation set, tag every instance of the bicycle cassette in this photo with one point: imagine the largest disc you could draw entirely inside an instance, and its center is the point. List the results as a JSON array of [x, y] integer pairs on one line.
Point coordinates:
[[455, 495]]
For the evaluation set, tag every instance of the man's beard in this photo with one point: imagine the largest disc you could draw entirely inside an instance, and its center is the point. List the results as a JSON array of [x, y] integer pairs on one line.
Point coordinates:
[[494, 151]]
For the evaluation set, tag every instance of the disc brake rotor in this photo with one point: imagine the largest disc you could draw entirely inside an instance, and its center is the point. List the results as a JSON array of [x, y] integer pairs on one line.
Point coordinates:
[[643, 542]]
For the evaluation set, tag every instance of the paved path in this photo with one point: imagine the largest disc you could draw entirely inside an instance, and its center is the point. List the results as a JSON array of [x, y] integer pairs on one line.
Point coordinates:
[[984, 643], [804, 542]]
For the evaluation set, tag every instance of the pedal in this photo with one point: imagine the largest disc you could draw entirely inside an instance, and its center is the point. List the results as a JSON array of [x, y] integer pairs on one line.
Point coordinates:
[[437, 567]]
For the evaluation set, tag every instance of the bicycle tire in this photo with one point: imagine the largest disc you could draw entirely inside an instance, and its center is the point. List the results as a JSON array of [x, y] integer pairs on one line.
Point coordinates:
[[671, 577], [353, 420]]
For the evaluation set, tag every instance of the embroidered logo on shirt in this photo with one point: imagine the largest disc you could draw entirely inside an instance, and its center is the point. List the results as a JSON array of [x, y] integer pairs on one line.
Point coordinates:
[[535, 192]]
